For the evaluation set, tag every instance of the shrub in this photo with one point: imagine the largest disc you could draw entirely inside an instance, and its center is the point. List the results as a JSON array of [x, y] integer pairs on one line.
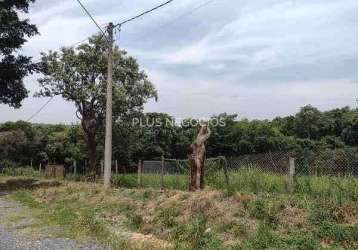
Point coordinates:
[[167, 216], [264, 239], [134, 220], [196, 235], [301, 241]]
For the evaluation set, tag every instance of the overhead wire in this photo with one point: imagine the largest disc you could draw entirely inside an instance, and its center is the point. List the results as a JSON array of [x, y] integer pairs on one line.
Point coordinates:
[[92, 18], [143, 13], [40, 109], [39, 60], [179, 17], [119, 26], [187, 13]]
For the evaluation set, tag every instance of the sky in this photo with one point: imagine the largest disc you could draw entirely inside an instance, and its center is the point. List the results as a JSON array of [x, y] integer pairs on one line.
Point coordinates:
[[256, 58]]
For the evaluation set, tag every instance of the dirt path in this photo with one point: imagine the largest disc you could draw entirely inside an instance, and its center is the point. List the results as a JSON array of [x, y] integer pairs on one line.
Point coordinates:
[[11, 237]]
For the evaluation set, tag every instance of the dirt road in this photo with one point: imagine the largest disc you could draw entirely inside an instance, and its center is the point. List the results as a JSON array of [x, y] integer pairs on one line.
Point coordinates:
[[12, 238]]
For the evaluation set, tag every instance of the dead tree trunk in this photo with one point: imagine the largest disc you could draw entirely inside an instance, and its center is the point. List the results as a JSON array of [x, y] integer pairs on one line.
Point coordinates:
[[197, 158]]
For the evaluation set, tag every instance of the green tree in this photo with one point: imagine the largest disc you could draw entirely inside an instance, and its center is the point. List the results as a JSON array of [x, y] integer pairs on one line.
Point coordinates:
[[350, 128], [308, 122], [80, 76], [13, 68], [158, 135], [222, 141]]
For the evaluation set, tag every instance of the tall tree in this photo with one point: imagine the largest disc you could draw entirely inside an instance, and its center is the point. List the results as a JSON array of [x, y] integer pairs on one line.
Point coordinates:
[[13, 68], [80, 76], [308, 122]]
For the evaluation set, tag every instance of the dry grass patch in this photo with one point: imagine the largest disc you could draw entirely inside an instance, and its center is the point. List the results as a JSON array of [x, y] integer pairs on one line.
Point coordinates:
[[207, 219]]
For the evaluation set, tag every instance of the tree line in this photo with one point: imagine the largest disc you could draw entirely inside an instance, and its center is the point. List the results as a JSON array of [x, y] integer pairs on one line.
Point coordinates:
[[310, 129], [78, 75]]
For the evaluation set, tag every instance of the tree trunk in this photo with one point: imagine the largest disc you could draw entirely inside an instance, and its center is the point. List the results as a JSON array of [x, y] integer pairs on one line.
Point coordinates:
[[197, 158], [92, 155], [89, 124]]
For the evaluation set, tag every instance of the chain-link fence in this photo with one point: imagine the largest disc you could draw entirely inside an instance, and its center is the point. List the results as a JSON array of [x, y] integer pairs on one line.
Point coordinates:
[[337, 162], [330, 173], [316, 163], [172, 174]]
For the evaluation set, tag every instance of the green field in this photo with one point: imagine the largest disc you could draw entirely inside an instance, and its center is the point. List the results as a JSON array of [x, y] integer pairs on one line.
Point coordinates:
[[248, 180], [254, 212], [253, 181], [149, 218]]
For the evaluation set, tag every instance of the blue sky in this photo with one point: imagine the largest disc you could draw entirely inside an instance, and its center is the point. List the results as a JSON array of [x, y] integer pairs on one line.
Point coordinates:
[[256, 58]]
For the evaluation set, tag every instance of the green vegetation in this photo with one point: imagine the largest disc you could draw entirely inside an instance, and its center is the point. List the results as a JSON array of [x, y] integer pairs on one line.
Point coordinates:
[[179, 182], [254, 181], [131, 86], [318, 138], [26, 198], [75, 222], [209, 219], [21, 171], [15, 30]]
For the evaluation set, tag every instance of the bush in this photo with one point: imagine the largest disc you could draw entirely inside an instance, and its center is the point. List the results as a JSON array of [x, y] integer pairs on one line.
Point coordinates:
[[128, 181], [7, 164], [256, 181], [196, 235]]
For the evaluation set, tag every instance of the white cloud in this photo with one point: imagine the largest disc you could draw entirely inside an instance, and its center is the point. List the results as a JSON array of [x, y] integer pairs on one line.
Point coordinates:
[[183, 98], [222, 45], [279, 35]]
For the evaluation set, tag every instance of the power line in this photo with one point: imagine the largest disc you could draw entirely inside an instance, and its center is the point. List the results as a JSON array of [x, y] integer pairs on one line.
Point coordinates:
[[179, 17], [89, 14], [104, 34], [187, 13], [40, 109], [39, 60], [143, 13], [48, 101], [71, 46]]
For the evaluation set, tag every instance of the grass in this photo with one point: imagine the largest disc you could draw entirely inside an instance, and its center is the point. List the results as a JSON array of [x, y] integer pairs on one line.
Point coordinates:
[[21, 171], [179, 182], [26, 198], [254, 181], [257, 213], [244, 180], [76, 221], [210, 219]]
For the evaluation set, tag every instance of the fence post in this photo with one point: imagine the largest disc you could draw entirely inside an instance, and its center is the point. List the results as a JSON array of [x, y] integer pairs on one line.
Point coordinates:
[[102, 169], [40, 167], [162, 173], [291, 174], [226, 173], [140, 166], [31, 163], [116, 166], [75, 168]]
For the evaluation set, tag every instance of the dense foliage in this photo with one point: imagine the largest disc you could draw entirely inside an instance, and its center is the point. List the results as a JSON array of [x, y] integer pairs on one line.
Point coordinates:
[[79, 75], [14, 67], [310, 129]]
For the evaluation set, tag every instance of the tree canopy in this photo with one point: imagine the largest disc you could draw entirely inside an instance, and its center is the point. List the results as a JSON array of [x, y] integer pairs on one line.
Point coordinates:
[[13, 68], [338, 130], [79, 75]]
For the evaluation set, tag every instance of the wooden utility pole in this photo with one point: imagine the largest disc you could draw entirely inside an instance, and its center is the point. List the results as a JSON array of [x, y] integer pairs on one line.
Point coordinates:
[[108, 140]]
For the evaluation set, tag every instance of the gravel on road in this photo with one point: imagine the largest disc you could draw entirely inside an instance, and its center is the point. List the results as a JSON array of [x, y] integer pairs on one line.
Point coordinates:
[[11, 237]]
